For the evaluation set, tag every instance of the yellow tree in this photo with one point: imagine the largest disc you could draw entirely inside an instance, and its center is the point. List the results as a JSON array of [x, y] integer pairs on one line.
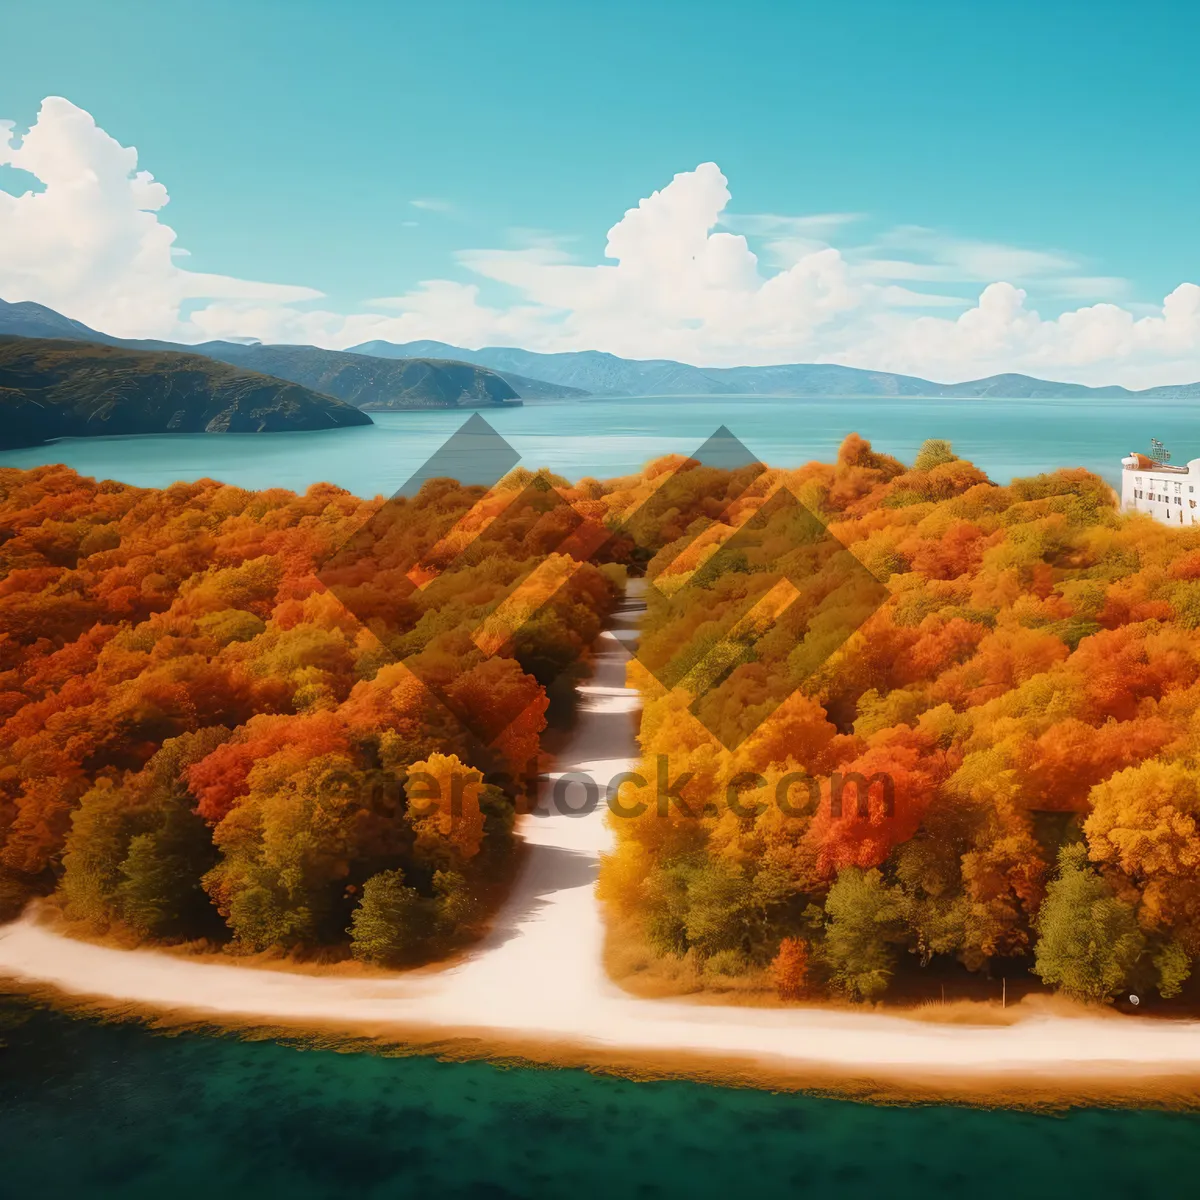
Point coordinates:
[[1144, 822], [444, 808]]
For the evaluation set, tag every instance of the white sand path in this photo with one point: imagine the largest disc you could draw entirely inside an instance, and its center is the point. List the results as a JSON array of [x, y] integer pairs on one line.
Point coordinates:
[[539, 975]]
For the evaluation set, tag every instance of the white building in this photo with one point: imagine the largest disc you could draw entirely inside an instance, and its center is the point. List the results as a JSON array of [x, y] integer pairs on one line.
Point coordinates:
[[1169, 494]]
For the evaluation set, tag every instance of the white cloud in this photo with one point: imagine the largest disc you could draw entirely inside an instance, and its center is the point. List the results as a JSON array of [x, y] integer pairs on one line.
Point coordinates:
[[787, 240], [902, 268], [1087, 287], [965, 259], [681, 278], [432, 204], [91, 243], [1100, 343], [813, 225]]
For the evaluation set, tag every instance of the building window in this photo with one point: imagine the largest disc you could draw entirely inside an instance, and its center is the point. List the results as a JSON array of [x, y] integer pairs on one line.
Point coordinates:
[[1178, 488], [1138, 480], [1178, 499]]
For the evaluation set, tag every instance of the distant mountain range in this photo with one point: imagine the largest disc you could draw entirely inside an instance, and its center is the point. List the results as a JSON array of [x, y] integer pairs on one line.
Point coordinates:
[[607, 375], [52, 388], [373, 384], [431, 374]]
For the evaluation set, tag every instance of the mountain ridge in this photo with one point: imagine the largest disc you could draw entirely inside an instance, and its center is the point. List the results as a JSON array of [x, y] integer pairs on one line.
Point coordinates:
[[57, 387], [608, 374], [569, 374]]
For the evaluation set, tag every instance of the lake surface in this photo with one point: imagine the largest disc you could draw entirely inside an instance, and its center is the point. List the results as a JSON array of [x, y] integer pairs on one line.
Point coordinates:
[[611, 437], [92, 1110]]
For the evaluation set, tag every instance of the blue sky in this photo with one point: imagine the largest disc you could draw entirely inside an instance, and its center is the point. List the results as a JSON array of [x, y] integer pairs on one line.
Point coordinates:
[[294, 137]]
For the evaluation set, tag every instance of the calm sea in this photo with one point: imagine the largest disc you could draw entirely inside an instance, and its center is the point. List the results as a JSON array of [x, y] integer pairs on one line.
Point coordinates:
[[91, 1110], [94, 1110], [1006, 438]]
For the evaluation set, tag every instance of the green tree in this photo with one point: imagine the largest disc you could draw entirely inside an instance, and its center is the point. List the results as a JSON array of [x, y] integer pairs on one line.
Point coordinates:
[[1173, 966], [102, 828], [262, 914], [136, 851], [457, 904], [862, 919], [1089, 942], [665, 900], [718, 908], [391, 922], [933, 453], [289, 847], [160, 894]]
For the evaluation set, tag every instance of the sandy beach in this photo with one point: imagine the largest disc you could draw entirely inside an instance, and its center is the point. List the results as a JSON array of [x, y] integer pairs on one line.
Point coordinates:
[[537, 986]]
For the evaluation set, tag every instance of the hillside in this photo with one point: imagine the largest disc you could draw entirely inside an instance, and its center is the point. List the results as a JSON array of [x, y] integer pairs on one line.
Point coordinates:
[[52, 389], [372, 384], [37, 321], [533, 389], [586, 370], [607, 374]]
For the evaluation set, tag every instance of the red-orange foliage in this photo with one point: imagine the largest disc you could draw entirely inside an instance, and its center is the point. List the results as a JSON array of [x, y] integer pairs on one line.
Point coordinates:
[[1033, 646], [1033, 660], [789, 968], [131, 616]]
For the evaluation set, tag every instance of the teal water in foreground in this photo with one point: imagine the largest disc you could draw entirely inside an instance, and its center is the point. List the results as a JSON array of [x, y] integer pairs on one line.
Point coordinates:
[[94, 1110], [605, 438]]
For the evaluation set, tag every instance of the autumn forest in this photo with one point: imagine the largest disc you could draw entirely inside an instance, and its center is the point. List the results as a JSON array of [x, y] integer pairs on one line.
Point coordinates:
[[223, 714]]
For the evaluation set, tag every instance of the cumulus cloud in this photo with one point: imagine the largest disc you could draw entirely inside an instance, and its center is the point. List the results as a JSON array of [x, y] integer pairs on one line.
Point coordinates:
[[1100, 343], [676, 286], [91, 243], [682, 277]]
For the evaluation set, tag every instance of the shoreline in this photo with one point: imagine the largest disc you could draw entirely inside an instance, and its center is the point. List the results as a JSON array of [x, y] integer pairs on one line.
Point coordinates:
[[1053, 1085], [535, 989]]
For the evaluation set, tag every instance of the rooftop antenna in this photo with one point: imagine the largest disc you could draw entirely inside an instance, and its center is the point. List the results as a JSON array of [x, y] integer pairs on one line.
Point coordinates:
[[1159, 452]]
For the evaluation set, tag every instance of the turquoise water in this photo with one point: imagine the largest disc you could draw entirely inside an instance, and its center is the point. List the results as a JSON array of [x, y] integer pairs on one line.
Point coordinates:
[[613, 437], [90, 1110]]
